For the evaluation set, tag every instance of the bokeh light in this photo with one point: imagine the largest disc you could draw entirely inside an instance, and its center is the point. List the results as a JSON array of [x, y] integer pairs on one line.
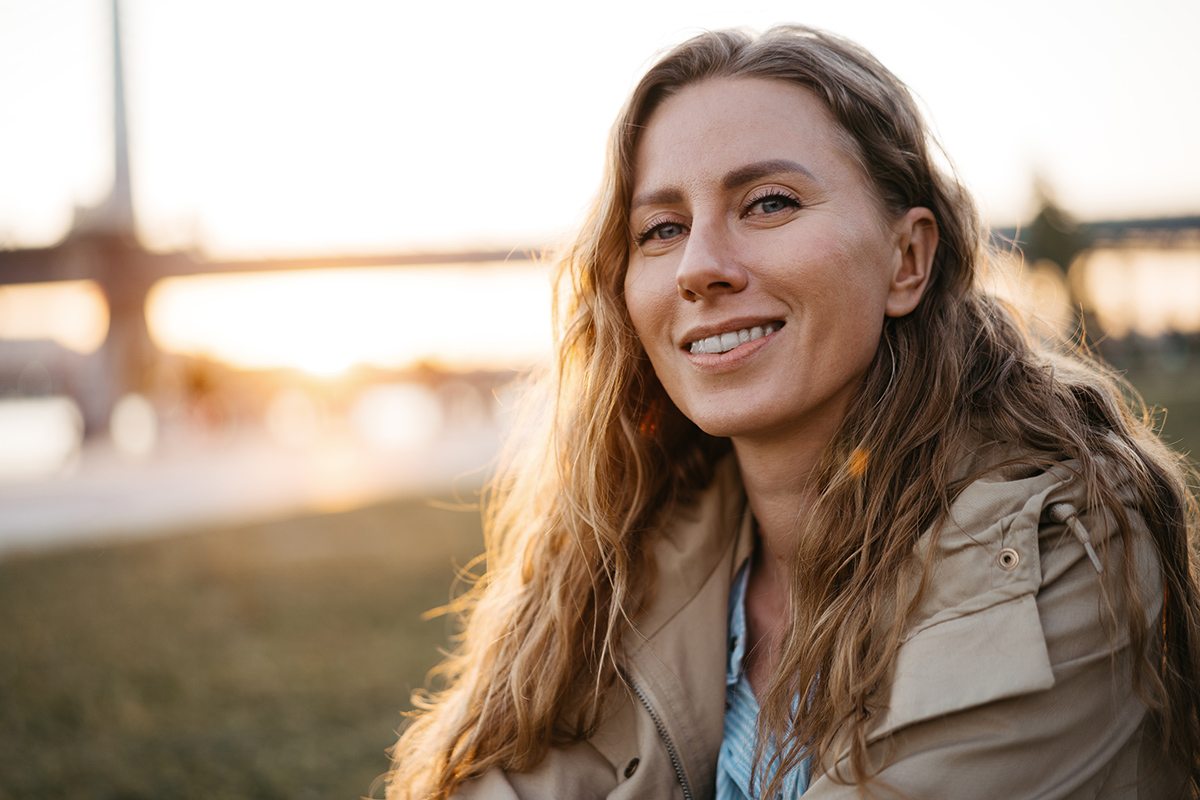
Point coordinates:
[[72, 313], [134, 426], [39, 437]]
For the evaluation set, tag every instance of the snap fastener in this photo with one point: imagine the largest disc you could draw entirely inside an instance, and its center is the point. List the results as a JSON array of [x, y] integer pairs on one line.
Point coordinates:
[[1008, 559], [631, 768]]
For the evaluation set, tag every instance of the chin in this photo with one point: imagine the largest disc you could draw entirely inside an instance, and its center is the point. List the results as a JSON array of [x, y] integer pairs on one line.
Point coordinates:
[[732, 414], [726, 425]]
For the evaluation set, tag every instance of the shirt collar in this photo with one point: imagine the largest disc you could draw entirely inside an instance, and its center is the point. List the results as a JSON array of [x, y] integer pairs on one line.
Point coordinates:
[[737, 625]]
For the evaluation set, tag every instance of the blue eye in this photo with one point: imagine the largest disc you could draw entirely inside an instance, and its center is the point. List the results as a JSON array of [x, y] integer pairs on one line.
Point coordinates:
[[772, 204], [664, 231]]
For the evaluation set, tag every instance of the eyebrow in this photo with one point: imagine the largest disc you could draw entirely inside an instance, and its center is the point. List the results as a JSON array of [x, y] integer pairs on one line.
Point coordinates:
[[732, 180], [657, 197], [761, 169]]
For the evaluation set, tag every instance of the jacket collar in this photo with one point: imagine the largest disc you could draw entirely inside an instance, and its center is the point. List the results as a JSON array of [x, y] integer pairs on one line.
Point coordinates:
[[675, 653], [693, 541]]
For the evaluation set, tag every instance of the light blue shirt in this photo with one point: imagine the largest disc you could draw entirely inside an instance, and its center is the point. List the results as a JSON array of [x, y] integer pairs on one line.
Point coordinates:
[[736, 758]]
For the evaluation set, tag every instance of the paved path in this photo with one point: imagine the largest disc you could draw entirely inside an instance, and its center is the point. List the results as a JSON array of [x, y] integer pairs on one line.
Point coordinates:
[[239, 479]]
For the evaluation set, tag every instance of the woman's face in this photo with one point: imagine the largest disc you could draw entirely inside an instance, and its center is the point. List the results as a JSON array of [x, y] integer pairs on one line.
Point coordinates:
[[763, 266]]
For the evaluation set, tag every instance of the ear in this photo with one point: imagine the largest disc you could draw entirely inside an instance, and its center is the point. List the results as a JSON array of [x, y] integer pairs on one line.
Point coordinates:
[[916, 241]]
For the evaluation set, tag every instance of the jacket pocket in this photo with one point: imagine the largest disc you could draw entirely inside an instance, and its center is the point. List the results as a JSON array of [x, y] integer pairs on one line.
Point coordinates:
[[991, 654]]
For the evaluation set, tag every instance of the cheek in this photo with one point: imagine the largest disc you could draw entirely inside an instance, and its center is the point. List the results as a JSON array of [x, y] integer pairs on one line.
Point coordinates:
[[866, 270], [645, 302]]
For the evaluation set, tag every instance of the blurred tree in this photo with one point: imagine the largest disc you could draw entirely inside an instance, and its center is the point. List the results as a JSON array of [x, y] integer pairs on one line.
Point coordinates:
[[1054, 235], [1054, 238]]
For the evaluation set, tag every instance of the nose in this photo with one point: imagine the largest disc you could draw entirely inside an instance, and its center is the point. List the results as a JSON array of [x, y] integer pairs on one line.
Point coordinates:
[[708, 266]]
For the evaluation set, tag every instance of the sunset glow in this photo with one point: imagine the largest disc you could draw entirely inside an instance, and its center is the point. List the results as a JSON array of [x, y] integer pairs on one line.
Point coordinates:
[[492, 316], [1149, 292], [72, 313]]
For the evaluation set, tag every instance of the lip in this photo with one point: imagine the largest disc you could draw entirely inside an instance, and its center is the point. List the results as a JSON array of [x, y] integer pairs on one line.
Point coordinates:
[[728, 326], [730, 359]]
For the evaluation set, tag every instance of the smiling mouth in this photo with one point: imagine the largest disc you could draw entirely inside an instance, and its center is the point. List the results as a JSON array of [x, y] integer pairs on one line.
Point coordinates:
[[724, 342]]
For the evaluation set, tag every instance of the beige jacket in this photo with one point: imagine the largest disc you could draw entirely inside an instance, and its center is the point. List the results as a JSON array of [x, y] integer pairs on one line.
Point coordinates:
[[1006, 684]]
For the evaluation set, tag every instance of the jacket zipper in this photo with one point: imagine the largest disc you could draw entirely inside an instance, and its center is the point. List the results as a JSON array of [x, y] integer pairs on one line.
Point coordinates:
[[662, 734]]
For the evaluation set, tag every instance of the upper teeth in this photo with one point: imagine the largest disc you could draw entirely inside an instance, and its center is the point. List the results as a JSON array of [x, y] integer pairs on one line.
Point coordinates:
[[724, 342]]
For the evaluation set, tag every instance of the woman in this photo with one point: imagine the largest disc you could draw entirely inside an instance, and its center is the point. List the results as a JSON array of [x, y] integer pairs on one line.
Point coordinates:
[[810, 512]]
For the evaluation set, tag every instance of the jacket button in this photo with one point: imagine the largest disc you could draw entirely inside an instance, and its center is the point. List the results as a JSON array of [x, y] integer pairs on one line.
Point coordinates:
[[631, 768], [1008, 559]]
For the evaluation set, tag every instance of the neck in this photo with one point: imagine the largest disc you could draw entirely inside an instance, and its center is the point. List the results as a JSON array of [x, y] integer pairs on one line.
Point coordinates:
[[779, 477], [780, 481]]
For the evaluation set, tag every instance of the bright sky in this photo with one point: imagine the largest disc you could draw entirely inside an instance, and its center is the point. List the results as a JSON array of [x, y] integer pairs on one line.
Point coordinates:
[[280, 126]]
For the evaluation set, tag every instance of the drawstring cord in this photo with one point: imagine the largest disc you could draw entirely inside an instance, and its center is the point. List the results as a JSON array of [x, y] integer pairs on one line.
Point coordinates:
[[1064, 513]]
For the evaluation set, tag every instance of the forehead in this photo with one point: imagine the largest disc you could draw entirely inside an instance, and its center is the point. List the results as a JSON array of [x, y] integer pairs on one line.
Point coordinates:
[[723, 121]]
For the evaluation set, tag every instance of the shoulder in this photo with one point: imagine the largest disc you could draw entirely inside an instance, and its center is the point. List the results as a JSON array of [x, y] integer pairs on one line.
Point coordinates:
[[1014, 587], [977, 603], [1012, 651]]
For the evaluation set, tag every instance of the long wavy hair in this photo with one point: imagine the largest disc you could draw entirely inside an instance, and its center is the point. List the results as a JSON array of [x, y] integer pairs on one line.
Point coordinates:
[[605, 454]]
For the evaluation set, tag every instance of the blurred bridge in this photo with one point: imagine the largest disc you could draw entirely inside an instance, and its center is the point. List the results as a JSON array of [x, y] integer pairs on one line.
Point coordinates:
[[102, 246]]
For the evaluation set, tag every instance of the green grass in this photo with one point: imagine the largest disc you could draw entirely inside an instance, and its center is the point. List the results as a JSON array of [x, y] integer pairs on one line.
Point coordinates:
[[1175, 399], [260, 661]]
